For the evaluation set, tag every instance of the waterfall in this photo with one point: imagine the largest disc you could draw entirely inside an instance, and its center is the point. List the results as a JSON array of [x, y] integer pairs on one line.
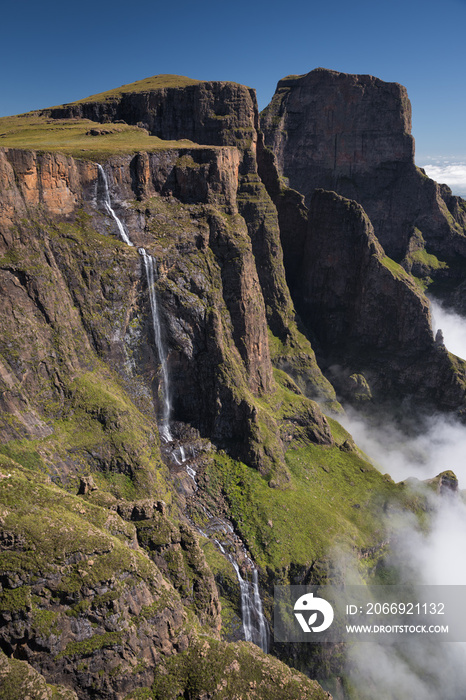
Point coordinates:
[[254, 624], [108, 205], [263, 631], [149, 264], [150, 268]]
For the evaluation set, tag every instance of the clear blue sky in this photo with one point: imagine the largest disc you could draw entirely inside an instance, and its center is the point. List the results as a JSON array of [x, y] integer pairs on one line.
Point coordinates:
[[53, 52]]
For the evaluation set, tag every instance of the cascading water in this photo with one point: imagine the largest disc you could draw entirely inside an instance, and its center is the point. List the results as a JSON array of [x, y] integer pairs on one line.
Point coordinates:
[[263, 630], [150, 268], [254, 624], [108, 205], [253, 619], [149, 264]]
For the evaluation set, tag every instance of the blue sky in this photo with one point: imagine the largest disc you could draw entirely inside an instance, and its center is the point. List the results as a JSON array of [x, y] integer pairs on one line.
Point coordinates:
[[51, 54]]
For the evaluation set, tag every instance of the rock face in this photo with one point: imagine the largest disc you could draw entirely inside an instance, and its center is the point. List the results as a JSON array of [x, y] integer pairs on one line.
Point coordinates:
[[80, 373], [367, 314], [106, 588], [352, 134], [210, 286], [212, 113]]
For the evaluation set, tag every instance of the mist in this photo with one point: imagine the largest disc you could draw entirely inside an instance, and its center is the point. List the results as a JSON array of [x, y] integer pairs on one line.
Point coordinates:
[[418, 667], [421, 668], [452, 173], [452, 325]]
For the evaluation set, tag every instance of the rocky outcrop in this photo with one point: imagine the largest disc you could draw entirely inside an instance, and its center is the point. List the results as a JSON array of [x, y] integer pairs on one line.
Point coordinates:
[[352, 134], [221, 284], [84, 589], [19, 680], [212, 113], [368, 315], [175, 549], [84, 611], [444, 484]]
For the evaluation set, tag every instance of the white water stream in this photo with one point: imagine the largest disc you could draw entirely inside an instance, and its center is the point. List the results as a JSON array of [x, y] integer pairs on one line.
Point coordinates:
[[151, 275], [149, 264], [254, 624], [108, 206], [253, 619]]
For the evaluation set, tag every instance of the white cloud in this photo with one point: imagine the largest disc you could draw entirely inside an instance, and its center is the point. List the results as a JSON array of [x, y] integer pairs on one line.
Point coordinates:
[[421, 668], [451, 174], [453, 328], [440, 446]]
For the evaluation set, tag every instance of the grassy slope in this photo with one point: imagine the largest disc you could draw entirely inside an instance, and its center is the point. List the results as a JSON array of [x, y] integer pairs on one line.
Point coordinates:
[[333, 499], [72, 137], [155, 82]]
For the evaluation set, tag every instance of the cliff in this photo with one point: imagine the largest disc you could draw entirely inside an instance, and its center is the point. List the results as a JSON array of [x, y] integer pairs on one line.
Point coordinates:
[[369, 316], [352, 134], [83, 393], [167, 431], [209, 285], [212, 113]]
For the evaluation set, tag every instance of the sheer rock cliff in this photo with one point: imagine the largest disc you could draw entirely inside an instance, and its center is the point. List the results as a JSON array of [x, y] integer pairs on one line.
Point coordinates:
[[368, 315], [352, 134], [118, 543]]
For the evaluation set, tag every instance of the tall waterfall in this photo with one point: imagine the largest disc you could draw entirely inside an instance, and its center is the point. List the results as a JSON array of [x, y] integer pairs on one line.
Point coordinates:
[[150, 268], [252, 615], [149, 264], [108, 206], [253, 619]]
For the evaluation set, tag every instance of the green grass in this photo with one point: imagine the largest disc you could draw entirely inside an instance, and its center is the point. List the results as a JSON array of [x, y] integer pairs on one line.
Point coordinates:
[[71, 137], [56, 529], [155, 82], [88, 646], [396, 269], [293, 77], [212, 668], [334, 497], [428, 259]]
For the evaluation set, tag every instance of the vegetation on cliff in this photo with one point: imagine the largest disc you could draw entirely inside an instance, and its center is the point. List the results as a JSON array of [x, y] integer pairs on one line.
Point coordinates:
[[113, 584], [81, 138]]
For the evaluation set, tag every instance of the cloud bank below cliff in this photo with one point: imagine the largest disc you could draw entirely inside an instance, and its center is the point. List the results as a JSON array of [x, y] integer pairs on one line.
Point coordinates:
[[422, 668], [448, 172], [439, 443], [453, 328]]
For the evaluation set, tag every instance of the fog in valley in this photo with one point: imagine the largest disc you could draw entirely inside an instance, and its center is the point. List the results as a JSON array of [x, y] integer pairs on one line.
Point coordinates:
[[423, 667]]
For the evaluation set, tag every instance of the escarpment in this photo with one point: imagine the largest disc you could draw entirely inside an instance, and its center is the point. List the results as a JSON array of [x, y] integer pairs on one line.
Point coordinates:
[[352, 134], [81, 394], [210, 113], [168, 448], [369, 316], [185, 212]]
